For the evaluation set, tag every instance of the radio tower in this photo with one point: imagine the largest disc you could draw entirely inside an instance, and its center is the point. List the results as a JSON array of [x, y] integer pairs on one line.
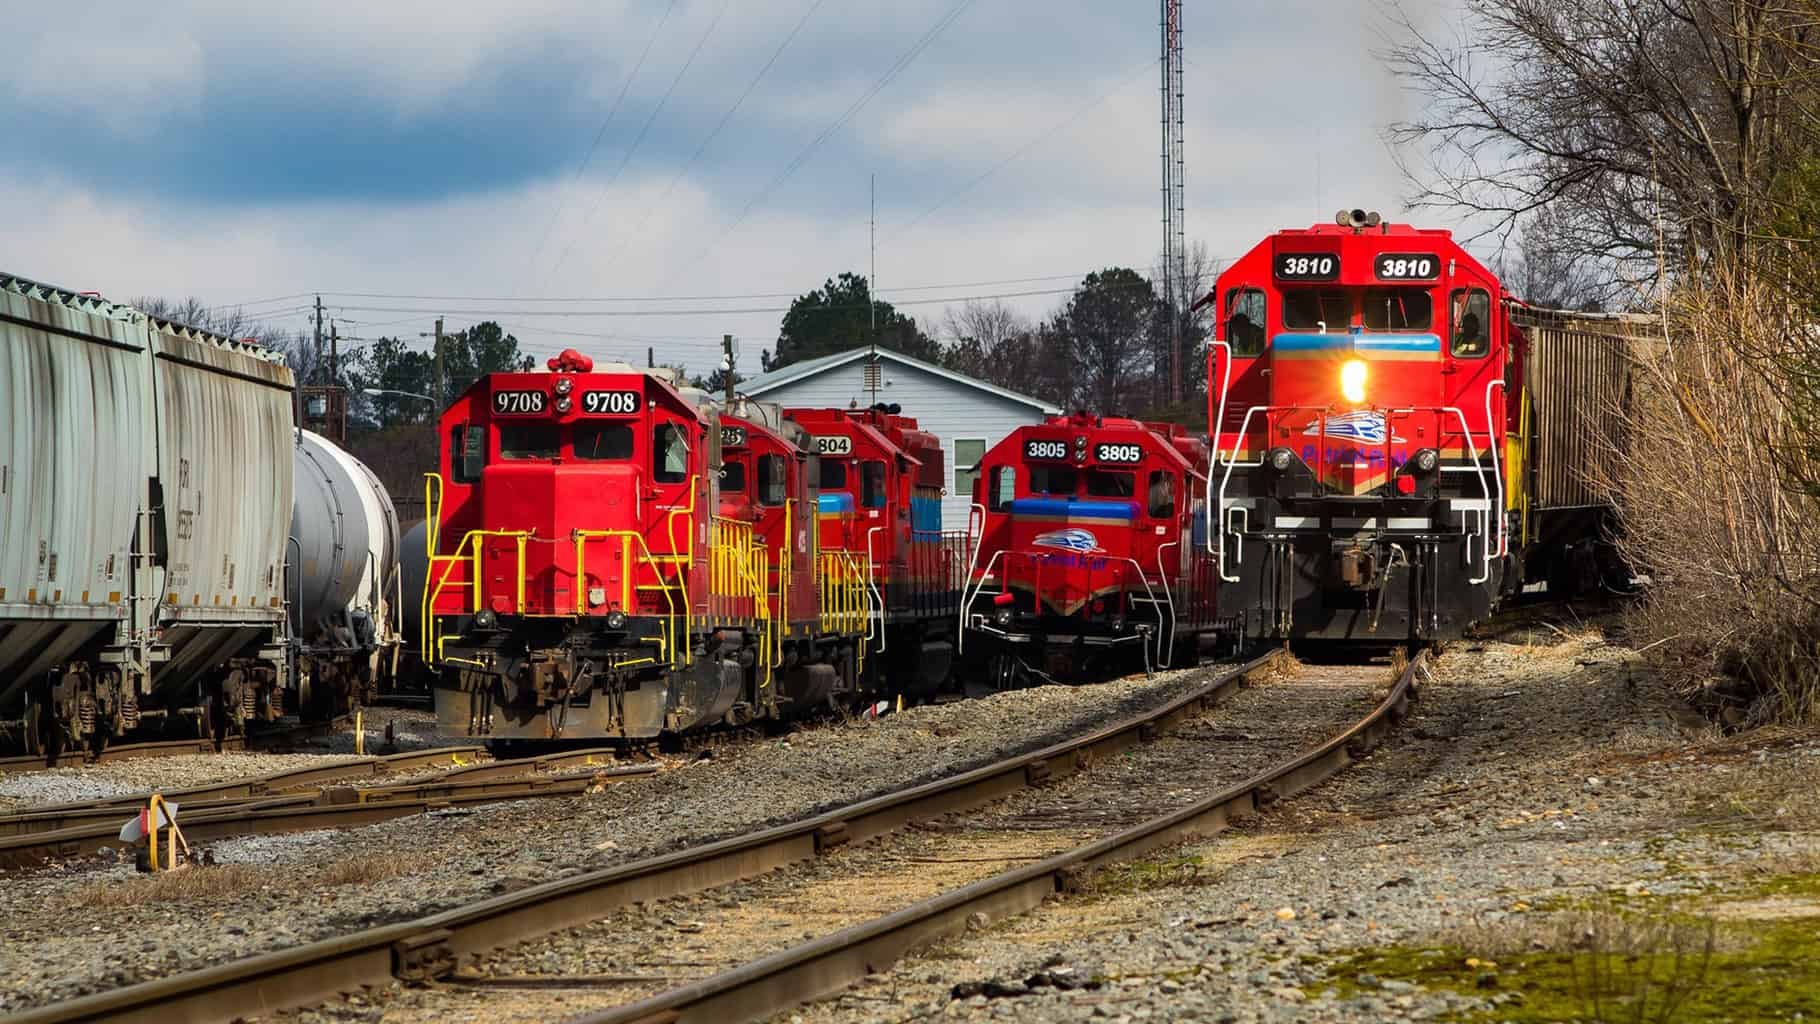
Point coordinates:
[[1174, 235]]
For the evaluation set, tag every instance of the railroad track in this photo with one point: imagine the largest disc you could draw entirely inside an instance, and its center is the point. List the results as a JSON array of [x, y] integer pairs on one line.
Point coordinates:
[[307, 798], [436, 946]]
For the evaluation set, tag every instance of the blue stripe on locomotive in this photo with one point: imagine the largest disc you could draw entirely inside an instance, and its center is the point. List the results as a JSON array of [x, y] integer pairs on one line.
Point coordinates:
[[926, 515], [1070, 508], [831, 503], [1400, 343]]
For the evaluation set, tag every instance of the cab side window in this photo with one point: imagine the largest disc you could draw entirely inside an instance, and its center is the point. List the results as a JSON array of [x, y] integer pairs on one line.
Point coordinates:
[[1162, 494], [670, 451], [1245, 322], [771, 481], [872, 484], [467, 453], [1471, 309], [1004, 488]]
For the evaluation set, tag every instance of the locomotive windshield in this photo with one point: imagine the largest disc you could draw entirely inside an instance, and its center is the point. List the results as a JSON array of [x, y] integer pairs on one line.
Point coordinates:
[[1398, 309], [1316, 309], [834, 475], [733, 478], [603, 441], [1051, 479], [527, 441], [1106, 483]]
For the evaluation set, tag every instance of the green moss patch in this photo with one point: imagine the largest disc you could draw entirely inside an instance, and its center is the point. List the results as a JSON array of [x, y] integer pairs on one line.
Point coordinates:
[[1617, 964]]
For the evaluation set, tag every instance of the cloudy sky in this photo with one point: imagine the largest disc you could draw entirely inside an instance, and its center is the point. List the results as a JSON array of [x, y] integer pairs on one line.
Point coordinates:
[[703, 160]]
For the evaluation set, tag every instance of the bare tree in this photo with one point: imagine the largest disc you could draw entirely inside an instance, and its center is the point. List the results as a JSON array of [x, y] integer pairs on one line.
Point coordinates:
[[1654, 129]]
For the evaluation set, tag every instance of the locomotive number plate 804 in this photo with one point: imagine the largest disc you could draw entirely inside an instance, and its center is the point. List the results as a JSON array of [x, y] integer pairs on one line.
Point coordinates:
[[1407, 266], [520, 403], [841, 445], [1045, 449], [1308, 266], [609, 403], [1119, 452], [733, 437]]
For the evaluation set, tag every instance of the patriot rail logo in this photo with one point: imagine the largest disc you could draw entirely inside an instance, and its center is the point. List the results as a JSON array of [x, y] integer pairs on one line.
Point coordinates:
[[1362, 426], [1072, 539]]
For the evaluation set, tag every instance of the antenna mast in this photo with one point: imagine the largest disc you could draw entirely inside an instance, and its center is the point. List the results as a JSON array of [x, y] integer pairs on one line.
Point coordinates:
[[1175, 246]]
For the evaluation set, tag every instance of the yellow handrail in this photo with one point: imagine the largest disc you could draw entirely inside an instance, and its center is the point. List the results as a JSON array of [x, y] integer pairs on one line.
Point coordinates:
[[432, 640]]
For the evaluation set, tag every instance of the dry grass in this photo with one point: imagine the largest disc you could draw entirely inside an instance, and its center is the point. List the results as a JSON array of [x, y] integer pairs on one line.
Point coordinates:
[[199, 883], [1715, 480], [1774, 795]]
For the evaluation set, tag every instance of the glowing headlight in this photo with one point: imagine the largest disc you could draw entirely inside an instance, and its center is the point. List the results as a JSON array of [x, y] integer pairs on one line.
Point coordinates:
[[1352, 381], [564, 385], [564, 404]]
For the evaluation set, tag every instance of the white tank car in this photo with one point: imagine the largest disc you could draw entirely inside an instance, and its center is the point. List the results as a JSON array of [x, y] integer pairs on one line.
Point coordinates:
[[142, 516], [345, 598]]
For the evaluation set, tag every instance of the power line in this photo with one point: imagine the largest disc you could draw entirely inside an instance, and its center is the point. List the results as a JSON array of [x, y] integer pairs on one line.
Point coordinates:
[[724, 311], [692, 298], [626, 86], [724, 118], [801, 157], [642, 132]]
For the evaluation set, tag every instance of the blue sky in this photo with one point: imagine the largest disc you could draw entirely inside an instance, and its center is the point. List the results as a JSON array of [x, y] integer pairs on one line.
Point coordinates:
[[246, 152]]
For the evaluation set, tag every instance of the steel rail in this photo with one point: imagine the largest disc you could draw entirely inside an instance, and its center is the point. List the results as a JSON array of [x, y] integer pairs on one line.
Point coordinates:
[[38, 837], [827, 964], [432, 947]]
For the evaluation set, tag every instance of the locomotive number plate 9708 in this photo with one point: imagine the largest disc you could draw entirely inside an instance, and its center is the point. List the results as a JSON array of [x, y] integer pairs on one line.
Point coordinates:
[[1045, 449], [520, 403], [841, 445], [733, 437], [1407, 266], [609, 403], [1119, 452], [1308, 266]]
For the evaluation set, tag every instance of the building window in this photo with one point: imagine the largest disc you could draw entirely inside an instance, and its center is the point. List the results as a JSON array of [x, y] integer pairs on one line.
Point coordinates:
[[968, 451]]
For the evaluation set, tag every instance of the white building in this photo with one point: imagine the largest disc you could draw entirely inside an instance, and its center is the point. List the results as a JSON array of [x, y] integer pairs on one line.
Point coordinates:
[[969, 415]]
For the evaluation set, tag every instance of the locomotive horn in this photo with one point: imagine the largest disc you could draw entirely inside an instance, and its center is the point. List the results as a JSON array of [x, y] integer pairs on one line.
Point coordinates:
[[1355, 219]]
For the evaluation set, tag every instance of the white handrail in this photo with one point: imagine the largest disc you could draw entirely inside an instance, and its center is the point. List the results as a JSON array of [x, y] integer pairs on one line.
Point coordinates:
[[872, 584], [1167, 653]]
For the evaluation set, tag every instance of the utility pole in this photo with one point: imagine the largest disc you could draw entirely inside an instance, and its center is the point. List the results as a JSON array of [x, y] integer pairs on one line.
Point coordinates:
[[872, 281], [650, 357], [441, 402], [726, 365], [334, 351], [318, 349]]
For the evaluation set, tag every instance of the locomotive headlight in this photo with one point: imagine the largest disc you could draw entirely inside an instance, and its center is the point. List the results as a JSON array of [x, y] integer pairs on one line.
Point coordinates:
[[1426, 460], [1281, 459], [564, 404], [616, 619], [564, 385], [1003, 617], [485, 619], [1352, 381]]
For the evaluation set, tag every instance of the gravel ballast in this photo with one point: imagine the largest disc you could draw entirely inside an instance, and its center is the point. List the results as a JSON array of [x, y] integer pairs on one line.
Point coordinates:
[[645, 949], [63, 923], [1529, 777]]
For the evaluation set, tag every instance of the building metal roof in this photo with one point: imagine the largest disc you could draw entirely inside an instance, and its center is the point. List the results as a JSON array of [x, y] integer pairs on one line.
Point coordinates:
[[755, 386]]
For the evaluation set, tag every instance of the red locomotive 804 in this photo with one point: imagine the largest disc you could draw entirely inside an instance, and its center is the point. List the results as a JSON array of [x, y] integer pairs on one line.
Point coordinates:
[[1088, 551]]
